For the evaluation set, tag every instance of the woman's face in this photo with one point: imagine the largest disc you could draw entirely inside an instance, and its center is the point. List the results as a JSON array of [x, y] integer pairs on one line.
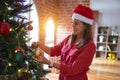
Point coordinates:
[[78, 27]]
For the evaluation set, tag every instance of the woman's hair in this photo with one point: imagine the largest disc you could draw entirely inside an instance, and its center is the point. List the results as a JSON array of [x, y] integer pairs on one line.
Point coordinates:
[[87, 35]]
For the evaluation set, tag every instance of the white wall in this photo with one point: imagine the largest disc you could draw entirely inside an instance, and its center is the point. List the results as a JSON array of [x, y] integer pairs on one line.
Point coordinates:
[[109, 12]]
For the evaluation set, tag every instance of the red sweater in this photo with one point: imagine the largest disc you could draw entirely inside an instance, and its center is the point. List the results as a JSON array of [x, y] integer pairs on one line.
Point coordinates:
[[74, 62]]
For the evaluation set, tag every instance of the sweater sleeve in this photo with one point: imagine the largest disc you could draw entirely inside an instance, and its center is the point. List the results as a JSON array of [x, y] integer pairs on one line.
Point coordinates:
[[56, 50], [82, 62]]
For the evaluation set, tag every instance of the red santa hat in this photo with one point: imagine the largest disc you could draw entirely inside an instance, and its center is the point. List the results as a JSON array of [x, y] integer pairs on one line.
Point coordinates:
[[83, 13]]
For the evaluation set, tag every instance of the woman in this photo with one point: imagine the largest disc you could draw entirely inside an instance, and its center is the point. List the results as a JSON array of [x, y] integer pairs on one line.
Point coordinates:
[[76, 51]]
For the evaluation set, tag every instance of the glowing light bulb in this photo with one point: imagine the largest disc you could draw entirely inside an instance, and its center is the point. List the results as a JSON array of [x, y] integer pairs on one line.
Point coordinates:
[[19, 70], [9, 64]]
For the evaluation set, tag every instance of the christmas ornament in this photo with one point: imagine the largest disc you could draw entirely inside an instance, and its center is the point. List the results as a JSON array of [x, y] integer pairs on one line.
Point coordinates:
[[4, 28], [37, 52], [25, 76], [30, 27], [19, 49], [18, 56]]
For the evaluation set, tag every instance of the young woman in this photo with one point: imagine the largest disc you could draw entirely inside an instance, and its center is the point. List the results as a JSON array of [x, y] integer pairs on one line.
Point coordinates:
[[76, 50]]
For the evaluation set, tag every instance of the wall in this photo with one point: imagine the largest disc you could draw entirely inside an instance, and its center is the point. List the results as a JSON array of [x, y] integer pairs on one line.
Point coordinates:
[[109, 12], [46, 9]]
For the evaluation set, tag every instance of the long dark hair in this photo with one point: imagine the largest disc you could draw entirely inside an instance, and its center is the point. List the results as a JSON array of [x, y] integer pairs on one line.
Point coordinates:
[[87, 35]]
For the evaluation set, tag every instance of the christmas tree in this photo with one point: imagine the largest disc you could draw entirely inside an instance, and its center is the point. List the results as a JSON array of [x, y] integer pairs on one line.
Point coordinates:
[[15, 54]]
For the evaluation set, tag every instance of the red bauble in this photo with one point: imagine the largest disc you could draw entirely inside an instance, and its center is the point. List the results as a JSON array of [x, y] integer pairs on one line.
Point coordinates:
[[30, 27], [4, 28]]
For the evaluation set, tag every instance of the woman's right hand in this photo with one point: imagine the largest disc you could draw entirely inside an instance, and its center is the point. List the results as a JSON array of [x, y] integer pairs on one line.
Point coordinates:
[[35, 44]]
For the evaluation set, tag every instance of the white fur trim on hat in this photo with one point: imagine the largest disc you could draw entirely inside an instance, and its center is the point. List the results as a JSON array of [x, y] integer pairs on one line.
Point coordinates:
[[82, 18]]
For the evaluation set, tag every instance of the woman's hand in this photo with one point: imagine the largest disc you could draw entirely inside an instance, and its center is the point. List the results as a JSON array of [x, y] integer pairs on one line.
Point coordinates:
[[35, 44], [40, 58], [43, 47]]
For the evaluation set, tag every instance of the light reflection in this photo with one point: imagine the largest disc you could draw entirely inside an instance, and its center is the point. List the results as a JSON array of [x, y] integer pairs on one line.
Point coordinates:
[[50, 29]]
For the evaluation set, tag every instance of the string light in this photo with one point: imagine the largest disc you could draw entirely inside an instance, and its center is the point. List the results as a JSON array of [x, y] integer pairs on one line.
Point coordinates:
[[19, 70], [9, 64]]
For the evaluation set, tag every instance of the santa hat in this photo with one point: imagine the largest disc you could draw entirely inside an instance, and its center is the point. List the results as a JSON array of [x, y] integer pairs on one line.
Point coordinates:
[[83, 13]]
